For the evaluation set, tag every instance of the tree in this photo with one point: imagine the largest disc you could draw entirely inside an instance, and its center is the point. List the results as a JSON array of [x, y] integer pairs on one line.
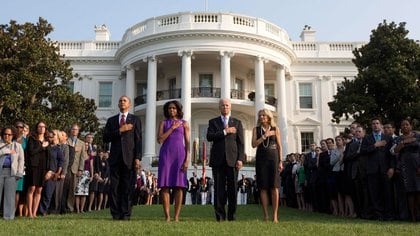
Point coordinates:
[[387, 85], [34, 80]]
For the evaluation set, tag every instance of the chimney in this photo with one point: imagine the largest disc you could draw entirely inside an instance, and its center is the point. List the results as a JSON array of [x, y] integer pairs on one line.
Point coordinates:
[[308, 34], [102, 33]]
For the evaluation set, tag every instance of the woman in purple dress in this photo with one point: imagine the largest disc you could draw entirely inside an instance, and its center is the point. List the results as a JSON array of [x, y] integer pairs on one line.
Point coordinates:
[[174, 135]]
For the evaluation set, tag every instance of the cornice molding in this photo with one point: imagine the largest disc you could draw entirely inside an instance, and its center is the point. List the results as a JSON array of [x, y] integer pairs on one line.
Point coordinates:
[[181, 35]]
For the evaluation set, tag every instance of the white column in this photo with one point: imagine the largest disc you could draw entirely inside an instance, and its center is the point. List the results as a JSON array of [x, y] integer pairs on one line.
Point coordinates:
[[259, 85], [150, 124], [225, 74], [281, 108], [186, 84], [130, 86]]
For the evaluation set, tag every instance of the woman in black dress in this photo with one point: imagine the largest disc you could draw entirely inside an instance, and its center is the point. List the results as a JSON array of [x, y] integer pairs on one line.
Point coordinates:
[[408, 148], [36, 167], [266, 138]]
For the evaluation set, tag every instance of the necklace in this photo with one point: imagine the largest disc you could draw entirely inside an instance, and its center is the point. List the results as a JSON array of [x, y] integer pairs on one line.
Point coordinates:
[[267, 138]]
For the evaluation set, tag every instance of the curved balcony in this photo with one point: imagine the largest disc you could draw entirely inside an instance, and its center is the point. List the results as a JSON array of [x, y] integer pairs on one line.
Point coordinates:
[[203, 92], [185, 21]]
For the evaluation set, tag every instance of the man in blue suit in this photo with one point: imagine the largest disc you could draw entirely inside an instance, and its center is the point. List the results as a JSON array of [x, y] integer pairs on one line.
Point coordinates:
[[123, 131]]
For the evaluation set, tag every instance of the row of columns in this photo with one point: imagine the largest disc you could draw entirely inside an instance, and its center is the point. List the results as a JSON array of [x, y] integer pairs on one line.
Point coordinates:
[[150, 126]]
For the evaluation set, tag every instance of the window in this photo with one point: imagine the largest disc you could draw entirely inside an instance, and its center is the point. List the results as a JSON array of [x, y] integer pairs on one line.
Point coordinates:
[[206, 85], [105, 94], [172, 88], [269, 90], [71, 86], [307, 138], [238, 92], [141, 89], [305, 95]]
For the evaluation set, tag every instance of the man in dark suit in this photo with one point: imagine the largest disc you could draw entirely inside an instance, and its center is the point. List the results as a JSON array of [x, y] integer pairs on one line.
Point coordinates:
[[379, 169], [227, 155], [123, 131], [193, 188]]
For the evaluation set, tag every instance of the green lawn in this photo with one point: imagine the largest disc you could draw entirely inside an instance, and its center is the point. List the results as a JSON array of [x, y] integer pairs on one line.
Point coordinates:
[[199, 220]]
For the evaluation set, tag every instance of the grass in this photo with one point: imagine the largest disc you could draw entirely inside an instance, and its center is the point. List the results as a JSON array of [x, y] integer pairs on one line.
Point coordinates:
[[199, 220]]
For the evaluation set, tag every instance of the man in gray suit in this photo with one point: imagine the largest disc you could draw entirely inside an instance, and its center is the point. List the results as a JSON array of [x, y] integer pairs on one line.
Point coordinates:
[[227, 155], [78, 165]]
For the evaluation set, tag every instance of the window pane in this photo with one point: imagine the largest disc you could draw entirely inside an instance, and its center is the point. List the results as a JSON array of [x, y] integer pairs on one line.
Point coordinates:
[[105, 94], [307, 138], [305, 89], [305, 95], [305, 102], [269, 90]]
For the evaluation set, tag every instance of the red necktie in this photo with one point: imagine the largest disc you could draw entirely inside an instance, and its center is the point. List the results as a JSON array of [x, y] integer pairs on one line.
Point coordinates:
[[122, 121]]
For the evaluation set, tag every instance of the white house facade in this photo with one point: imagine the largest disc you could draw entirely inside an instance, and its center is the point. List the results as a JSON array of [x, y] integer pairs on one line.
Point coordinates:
[[200, 57]]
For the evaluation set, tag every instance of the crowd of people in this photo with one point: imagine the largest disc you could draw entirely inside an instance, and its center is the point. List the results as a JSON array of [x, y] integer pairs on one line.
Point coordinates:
[[43, 171], [370, 176]]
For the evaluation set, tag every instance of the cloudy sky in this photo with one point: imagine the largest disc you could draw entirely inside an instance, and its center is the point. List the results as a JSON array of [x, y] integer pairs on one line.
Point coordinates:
[[334, 20]]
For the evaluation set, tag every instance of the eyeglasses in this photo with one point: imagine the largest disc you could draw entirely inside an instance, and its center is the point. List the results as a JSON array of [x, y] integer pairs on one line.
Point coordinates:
[[19, 127], [8, 134]]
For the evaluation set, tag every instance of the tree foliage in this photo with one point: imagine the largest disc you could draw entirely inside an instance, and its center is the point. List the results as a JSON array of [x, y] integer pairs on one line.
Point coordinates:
[[34, 80], [387, 85]]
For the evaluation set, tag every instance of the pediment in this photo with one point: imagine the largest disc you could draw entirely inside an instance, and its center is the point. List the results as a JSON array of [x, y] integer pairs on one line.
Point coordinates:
[[308, 121]]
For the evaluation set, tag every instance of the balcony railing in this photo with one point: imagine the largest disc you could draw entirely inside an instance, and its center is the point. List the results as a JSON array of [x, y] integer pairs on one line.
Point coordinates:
[[203, 92]]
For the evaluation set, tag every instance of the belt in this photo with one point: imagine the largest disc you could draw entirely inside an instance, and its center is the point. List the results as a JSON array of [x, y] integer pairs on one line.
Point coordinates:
[[4, 167]]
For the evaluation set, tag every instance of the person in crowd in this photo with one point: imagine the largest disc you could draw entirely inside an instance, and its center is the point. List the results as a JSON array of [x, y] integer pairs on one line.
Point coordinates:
[[103, 180], [174, 155], [267, 139], [93, 186], [336, 163], [20, 189], [311, 173], [323, 166], [83, 182], [399, 195], [12, 162], [210, 187], [36, 166], [380, 169], [299, 173], [150, 187], [68, 190], [59, 186], [255, 191], [288, 181], [203, 190], [407, 146], [226, 159], [194, 188], [123, 131], [78, 166], [242, 188], [55, 167]]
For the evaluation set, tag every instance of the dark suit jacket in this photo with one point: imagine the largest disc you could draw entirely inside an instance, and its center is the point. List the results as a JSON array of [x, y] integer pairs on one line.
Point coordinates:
[[311, 170], [126, 146], [229, 147], [351, 159], [324, 167], [379, 160]]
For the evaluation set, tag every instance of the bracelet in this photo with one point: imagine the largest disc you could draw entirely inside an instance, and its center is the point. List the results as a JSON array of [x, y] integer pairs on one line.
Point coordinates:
[[264, 137]]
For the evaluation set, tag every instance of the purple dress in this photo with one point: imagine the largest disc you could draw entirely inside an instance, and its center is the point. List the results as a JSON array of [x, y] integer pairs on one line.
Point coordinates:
[[171, 158]]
